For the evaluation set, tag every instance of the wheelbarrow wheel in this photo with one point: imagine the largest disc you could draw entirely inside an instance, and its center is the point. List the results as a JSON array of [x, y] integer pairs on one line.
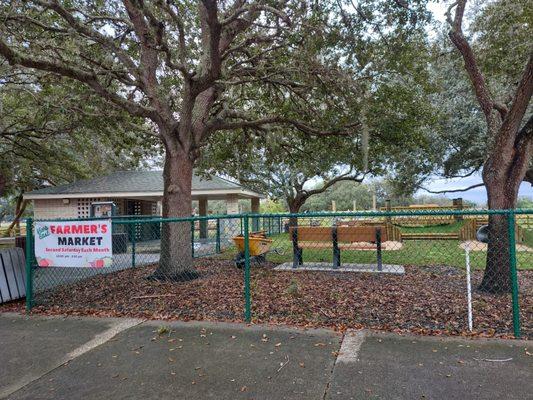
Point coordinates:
[[240, 260]]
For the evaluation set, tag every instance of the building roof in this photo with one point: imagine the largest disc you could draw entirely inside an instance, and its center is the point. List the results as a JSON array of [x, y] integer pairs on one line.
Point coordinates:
[[137, 184]]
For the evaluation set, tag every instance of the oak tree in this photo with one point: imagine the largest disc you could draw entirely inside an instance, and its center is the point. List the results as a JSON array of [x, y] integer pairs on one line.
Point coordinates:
[[508, 118], [173, 63]]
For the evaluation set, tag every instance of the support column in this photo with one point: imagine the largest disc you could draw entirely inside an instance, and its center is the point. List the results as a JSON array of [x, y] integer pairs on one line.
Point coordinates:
[[231, 227], [232, 204], [255, 210], [202, 210]]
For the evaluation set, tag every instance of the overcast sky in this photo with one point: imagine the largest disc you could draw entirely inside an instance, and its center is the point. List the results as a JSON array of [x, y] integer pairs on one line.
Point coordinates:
[[478, 195]]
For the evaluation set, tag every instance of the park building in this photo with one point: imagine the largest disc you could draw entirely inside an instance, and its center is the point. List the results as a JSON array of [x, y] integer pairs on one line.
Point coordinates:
[[133, 193]]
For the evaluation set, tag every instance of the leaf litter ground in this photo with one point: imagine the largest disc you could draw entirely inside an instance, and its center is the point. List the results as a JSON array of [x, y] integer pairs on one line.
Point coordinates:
[[426, 300]]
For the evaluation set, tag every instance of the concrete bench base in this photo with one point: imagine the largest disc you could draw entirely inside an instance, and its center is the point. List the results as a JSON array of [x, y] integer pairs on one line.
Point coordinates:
[[346, 267]]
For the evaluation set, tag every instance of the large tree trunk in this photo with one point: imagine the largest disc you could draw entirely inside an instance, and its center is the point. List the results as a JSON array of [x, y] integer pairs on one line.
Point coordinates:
[[510, 152], [176, 260], [294, 208], [496, 276], [502, 194]]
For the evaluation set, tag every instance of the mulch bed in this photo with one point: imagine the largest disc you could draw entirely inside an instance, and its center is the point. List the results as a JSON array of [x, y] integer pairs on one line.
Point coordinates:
[[426, 300]]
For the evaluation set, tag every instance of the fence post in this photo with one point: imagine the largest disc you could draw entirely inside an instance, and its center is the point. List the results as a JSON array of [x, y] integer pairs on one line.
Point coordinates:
[[29, 265], [336, 250], [378, 247], [247, 300], [192, 238], [133, 244], [512, 270], [217, 243]]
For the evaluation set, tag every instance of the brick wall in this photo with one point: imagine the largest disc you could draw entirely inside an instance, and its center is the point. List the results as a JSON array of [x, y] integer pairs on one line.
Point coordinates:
[[55, 208]]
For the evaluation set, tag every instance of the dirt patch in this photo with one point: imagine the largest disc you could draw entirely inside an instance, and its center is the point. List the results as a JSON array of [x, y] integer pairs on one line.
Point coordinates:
[[426, 300], [474, 245]]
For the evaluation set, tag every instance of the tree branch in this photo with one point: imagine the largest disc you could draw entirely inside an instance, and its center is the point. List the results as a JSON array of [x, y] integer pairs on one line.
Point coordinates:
[[331, 182], [474, 73], [89, 78], [220, 124], [93, 34], [453, 190], [529, 176]]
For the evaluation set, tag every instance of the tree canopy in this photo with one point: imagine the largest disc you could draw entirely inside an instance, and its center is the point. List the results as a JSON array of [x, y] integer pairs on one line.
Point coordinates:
[[372, 80], [52, 134]]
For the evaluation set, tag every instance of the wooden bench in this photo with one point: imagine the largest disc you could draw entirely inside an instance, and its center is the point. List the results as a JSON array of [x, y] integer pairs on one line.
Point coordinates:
[[12, 274], [337, 238]]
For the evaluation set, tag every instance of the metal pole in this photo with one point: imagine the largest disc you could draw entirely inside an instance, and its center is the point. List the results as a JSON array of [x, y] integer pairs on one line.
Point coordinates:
[[378, 249], [29, 262], [468, 287], [336, 250], [217, 249], [247, 300], [192, 238], [133, 244], [512, 270]]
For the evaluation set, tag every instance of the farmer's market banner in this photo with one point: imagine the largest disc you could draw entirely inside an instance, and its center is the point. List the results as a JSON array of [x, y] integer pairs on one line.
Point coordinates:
[[86, 244]]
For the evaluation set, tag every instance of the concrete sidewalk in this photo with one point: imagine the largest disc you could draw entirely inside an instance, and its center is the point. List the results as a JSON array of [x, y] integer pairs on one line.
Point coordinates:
[[70, 358]]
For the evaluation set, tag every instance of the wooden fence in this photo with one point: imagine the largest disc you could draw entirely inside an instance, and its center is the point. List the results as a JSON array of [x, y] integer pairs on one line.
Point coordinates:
[[12, 274]]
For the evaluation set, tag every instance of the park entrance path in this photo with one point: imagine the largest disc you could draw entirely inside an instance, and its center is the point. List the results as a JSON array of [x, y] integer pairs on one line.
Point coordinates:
[[70, 358]]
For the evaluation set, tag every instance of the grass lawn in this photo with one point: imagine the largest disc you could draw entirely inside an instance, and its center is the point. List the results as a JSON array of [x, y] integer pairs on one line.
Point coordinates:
[[413, 252]]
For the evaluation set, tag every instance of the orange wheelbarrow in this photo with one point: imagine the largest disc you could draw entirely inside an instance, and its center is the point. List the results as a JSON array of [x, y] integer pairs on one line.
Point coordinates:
[[259, 246]]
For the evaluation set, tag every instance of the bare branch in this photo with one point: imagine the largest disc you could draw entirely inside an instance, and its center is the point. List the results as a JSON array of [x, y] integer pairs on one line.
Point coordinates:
[[326, 185], [453, 190]]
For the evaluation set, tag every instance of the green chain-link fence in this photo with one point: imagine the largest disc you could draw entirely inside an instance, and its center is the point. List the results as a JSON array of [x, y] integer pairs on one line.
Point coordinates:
[[384, 270]]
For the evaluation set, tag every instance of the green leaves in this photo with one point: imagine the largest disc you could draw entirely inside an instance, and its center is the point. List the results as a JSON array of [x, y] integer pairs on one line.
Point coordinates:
[[54, 134]]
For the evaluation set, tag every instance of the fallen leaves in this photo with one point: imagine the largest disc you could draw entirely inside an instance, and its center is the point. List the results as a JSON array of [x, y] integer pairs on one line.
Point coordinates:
[[426, 300]]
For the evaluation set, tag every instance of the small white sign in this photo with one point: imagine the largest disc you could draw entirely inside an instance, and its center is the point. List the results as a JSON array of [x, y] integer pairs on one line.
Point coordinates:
[[85, 244]]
